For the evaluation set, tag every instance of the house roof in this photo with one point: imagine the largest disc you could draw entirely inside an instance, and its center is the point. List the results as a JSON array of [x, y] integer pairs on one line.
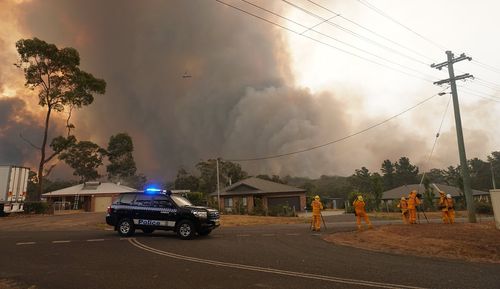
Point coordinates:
[[90, 188], [259, 186], [399, 192]]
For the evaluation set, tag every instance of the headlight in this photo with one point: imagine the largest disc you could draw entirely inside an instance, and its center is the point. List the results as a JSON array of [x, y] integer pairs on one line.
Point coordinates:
[[200, 214]]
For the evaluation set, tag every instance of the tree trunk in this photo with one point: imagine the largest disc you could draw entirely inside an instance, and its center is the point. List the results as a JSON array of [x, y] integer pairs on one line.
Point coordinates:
[[39, 191]]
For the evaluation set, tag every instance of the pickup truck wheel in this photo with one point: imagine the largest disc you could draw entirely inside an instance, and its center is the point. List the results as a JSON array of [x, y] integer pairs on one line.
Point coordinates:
[[126, 228], [204, 232], [185, 229], [148, 230]]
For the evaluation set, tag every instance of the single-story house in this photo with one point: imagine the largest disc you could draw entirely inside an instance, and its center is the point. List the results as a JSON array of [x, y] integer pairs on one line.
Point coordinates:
[[252, 192], [404, 191], [89, 196]]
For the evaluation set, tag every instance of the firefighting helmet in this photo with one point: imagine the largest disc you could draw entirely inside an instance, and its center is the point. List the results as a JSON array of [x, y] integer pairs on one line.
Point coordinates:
[[448, 196], [360, 198], [403, 199], [316, 197]]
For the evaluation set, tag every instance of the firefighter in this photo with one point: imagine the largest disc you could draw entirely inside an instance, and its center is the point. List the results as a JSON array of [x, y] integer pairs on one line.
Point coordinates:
[[359, 209], [443, 206], [413, 202], [317, 206], [403, 206], [451, 208]]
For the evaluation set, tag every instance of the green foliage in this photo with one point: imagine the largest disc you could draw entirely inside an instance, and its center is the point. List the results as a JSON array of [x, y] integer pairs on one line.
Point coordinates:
[[84, 157], [121, 160], [227, 171], [197, 198], [388, 172], [258, 207], [361, 180], [484, 208], [377, 189], [36, 208], [406, 173], [186, 181], [55, 73]]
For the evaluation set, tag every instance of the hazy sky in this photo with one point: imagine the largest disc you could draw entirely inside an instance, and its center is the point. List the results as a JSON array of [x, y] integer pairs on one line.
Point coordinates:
[[257, 89]]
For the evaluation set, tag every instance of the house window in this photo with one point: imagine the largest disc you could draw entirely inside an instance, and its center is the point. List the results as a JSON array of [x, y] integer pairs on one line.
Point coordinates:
[[244, 201], [228, 202]]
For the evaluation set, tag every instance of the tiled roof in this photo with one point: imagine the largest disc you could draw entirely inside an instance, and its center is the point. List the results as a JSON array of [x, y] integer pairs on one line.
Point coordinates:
[[260, 186], [404, 191]]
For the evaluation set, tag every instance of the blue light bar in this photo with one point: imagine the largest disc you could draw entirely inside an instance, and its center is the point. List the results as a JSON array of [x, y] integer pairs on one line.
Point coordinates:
[[153, 190]]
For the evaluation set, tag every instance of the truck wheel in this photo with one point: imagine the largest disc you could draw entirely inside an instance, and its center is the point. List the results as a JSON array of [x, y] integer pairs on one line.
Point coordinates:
[[185, 229], [148, 230], [126, 228], [204, 232]]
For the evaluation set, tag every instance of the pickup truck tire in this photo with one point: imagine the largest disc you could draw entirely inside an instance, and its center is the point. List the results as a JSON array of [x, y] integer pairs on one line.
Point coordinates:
[[185, 229], [126, 228]]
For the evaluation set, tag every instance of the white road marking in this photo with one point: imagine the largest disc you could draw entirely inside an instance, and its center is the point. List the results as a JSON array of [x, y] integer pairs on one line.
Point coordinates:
[[60, 242], [95, 240], [25, 243], [141, 246], [292, 234]]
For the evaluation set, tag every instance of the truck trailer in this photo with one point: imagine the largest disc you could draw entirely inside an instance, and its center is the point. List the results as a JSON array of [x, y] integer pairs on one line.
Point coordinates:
[[13, 188]]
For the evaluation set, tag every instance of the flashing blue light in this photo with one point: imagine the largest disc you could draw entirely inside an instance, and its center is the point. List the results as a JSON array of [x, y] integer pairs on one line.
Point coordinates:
[[152, 190]]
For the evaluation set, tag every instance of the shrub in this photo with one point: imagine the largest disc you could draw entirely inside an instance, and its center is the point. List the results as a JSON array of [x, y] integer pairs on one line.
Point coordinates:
[[484, 208], [36, 208]]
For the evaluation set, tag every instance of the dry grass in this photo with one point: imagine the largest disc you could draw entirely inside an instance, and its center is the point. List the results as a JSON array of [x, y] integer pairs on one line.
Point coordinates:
[[471, 242], [245, 220], [397, 215]]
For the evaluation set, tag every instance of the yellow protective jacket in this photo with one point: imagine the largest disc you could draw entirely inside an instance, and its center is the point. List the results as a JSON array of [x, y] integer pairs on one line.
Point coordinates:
[[403, 205], [317, 206], [449, 204], [443, 204], [413, 202], [359, 206]]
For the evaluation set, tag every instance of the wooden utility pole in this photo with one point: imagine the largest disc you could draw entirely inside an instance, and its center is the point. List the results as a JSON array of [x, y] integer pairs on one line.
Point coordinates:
[[458, 124]]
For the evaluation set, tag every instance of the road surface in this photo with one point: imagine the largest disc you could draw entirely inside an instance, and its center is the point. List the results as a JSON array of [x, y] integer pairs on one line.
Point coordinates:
[[275, 256]]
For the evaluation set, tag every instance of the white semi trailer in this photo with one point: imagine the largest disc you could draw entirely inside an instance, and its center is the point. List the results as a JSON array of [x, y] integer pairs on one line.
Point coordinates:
[[13, 188]]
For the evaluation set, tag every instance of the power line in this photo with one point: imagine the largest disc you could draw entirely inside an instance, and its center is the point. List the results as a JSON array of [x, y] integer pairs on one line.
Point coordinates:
[[327, 44], [374, 32], [379, 11], [480, 94], [437, 136], [327, 21], [486, 66], [337, 140], [328, 36]]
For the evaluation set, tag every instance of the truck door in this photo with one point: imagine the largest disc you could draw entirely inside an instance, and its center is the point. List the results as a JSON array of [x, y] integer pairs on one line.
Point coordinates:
[[166, 210]]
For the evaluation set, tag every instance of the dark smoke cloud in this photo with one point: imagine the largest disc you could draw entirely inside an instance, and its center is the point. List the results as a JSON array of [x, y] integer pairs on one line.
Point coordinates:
[[14, 121], [240, 101]]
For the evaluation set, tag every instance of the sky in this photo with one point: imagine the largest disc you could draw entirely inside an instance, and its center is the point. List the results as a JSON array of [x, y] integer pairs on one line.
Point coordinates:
[[261, 89]]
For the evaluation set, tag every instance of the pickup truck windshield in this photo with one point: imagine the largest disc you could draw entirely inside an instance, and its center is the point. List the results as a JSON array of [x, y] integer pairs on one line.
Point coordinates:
[[181, 201]]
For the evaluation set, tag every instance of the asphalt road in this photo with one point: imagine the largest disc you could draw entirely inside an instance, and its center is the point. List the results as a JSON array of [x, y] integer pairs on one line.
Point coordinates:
[[278, 256]]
